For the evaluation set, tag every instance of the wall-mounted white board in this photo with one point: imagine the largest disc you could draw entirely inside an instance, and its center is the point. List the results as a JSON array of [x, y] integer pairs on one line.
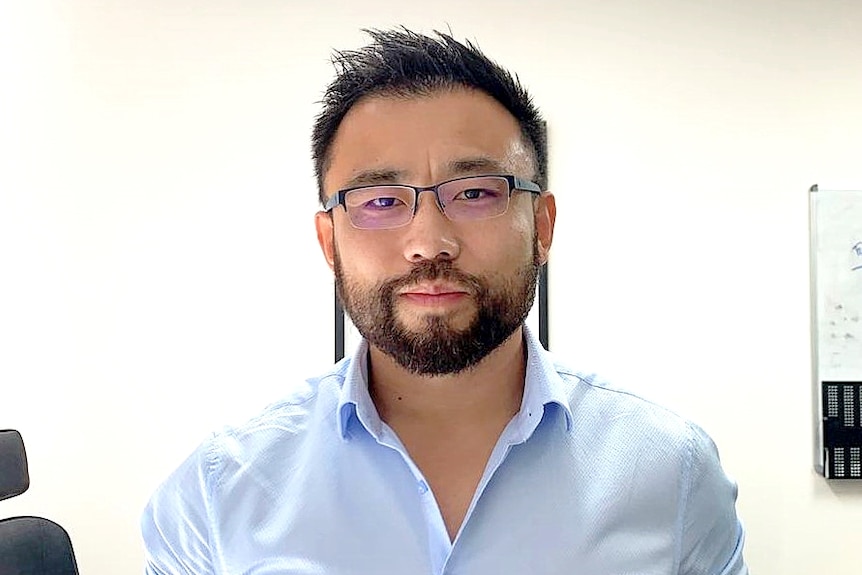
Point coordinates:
[[836, 330]]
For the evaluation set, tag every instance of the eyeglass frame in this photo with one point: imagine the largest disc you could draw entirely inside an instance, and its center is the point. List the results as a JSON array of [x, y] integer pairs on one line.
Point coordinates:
[[515, 184]]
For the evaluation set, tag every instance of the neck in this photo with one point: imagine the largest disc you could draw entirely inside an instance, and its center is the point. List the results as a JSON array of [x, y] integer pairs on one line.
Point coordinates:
[[488, 392]]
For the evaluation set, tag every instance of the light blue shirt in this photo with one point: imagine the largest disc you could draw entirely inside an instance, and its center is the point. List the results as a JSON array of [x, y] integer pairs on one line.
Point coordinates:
[[584, 480]]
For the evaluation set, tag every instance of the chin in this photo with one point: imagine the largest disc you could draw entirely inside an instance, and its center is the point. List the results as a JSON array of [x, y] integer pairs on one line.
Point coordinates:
[[423, 323]]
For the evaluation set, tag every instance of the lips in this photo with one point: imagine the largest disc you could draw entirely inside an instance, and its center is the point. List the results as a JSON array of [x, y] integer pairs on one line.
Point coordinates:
[[435, 289]]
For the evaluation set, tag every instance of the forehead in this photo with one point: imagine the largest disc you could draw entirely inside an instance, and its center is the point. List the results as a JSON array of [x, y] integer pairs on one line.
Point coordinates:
[[425, 139]]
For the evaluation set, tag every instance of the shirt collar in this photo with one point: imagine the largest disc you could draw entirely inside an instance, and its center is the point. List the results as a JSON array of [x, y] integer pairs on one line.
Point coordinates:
[[354, 400], [542, 387]]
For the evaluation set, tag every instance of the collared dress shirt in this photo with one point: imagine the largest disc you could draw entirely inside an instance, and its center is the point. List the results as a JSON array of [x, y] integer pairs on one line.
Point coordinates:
[[584, 480]]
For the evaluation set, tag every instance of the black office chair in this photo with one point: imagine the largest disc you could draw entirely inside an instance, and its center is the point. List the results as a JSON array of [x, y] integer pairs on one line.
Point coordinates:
[[28, 545]]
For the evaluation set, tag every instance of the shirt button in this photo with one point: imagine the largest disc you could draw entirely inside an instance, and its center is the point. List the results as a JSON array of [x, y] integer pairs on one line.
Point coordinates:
[[423, 487]]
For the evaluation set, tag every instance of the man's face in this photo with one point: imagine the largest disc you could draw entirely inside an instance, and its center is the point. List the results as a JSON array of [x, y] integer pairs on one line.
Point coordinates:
[[435, 295]]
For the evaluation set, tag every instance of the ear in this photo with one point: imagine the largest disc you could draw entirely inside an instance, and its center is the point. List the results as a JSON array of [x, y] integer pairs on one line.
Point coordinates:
[[545, 217], [326, 236]]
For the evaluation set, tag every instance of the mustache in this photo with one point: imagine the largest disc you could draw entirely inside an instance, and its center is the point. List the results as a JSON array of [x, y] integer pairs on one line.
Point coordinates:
[[431, 270]]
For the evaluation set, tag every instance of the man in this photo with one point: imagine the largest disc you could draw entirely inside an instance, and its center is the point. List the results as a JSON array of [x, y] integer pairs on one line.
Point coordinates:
[[450, 442]]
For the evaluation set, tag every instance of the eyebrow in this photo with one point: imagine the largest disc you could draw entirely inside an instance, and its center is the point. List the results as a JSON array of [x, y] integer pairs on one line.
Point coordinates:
[[372, 177], [479, 164], [455, 168]]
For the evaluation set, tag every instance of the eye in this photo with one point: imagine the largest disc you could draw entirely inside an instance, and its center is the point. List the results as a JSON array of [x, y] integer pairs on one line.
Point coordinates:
[[383, 203], [477, 194]]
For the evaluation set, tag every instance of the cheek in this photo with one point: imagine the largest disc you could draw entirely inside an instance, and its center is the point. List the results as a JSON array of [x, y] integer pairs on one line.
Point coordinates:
[[523, 225], [518, 236], [499, 252], [364, 258]]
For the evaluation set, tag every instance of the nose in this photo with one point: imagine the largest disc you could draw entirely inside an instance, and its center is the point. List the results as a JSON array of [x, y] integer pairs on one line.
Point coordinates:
[[431, 234]]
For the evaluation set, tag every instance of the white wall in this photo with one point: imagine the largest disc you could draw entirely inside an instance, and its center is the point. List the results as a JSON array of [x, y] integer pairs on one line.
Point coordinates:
[[159, 274]]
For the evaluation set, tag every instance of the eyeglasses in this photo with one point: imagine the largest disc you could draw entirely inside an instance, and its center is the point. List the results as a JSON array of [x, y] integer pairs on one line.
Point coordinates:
[[393, 206]]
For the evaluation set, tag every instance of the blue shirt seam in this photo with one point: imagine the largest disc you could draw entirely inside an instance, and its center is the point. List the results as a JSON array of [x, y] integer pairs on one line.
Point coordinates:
[[589, 381], [685, 495], [213, 461]]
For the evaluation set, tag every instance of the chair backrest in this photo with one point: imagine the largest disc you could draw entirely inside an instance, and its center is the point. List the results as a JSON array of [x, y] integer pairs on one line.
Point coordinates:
[[14, 477], [28, 545], [35, 546]]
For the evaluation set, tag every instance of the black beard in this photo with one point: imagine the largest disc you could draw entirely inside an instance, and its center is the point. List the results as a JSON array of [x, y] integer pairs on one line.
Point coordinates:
[[437, 349]]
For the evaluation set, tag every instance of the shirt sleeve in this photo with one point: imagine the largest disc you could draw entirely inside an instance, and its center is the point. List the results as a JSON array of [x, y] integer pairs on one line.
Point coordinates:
[[712, 535], [176, 522]]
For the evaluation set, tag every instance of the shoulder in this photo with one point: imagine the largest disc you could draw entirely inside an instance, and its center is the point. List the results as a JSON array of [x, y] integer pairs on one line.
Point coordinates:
[[279, 430], [620, 431], [630, 437], [607, 408], [600, 412], [253, 457]]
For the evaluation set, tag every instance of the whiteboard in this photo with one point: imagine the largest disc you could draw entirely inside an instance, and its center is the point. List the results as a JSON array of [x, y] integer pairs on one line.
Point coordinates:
[[836, 265], [836, 326]]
